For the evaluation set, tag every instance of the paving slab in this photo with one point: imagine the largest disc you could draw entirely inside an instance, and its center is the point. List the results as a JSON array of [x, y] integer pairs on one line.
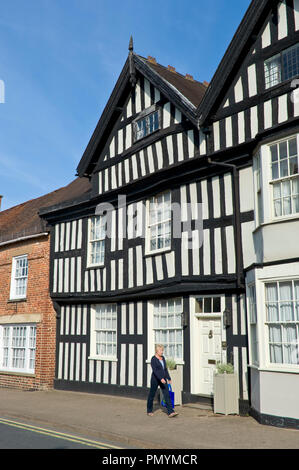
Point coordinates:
[[124, 420]]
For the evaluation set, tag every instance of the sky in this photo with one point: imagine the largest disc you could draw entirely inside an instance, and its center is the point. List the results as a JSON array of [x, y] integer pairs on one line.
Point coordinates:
[[60, 60]]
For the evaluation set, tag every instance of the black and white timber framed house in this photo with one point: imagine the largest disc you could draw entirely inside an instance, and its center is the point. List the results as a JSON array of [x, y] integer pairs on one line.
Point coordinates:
[[230, 146]]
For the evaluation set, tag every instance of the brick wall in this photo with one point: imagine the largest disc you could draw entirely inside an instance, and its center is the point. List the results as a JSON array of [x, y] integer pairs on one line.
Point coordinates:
[[37, 308]]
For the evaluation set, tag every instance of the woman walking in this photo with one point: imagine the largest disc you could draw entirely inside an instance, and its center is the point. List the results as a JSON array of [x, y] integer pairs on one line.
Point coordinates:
[[160, 376]]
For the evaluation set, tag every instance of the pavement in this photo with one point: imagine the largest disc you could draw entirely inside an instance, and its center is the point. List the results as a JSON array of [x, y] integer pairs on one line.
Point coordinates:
[[124, 421]]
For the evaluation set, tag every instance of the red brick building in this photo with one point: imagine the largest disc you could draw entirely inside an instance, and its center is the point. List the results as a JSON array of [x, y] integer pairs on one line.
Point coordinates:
[[27, 316]]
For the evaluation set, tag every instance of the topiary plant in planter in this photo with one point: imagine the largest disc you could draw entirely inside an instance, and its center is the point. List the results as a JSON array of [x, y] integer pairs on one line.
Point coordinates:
[[226, 389], [222, 368], [171, 364]]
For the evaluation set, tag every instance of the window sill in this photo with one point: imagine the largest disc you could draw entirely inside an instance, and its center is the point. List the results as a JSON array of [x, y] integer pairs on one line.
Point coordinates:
[[180, 363], [14, 372], [277, 220], [157, 252], [95, 266], [23, 299], [284, 370], [100, 358]]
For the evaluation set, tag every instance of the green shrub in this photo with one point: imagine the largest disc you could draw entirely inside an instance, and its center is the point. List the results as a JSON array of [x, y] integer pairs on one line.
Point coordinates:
[[224, 368]]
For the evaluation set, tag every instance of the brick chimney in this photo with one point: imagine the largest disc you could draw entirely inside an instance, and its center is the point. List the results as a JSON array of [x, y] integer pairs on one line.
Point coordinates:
[[171, 68], [205, 83]]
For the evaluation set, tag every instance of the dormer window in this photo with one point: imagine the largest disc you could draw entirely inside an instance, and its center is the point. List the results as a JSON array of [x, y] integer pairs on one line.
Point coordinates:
[[282, 67], [146, 125]]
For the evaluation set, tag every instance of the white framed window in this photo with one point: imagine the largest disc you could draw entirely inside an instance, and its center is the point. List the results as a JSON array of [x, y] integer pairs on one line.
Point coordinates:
[[282, 320], [282, 67], [252, 312], [17, 347], [146, 125], [19, 277], [208, 305], [158, 236], [97, 227], [167, 327], [104, 332], [285, 178], [276, 180]]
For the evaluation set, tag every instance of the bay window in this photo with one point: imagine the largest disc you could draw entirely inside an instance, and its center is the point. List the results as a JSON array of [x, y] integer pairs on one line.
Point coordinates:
[[276, 180], [282, 318]]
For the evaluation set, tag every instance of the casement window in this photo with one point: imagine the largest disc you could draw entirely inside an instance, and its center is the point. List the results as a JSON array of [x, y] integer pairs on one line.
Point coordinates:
[[282, 67], [19, 276], [17, 348], [96, 242], [159, 223], [285, 179], [282, 319], [104, 331], [252, 312], [146, 125], [167, 327]]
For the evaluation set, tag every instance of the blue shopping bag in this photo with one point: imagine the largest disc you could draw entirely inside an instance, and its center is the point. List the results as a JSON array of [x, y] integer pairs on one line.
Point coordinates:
[[171, 394]]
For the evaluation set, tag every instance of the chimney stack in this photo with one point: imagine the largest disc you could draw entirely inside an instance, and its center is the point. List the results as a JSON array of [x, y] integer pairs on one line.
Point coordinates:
[[189, 77], [205, 83], [171, 68], [152, 59]]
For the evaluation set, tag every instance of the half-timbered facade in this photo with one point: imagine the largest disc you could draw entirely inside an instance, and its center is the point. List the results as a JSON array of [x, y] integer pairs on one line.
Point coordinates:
[[181, 175]]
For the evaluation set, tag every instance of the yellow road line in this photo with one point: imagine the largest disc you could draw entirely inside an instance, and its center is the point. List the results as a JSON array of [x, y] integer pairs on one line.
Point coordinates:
[[57, 434]]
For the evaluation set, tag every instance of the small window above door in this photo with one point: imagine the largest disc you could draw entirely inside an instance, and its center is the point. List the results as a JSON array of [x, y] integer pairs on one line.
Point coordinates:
[[208, 305]]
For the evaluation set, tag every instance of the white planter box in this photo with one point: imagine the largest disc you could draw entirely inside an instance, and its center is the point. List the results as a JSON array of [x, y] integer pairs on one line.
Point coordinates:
[[176, 378], [226, 394], [176, 385]]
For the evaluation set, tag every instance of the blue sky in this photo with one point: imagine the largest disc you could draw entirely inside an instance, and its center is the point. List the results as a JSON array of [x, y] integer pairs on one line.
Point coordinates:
[[60, 59]]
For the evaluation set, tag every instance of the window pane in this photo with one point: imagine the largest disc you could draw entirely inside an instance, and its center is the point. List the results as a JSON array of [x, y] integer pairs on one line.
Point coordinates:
[[273, 71], [286, 304], [275, 171], [293, 147], [274, 153], [272, 302], [290, 62], [284, 169]]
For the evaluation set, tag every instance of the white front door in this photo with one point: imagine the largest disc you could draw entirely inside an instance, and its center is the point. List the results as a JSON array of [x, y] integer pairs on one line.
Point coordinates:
[[209, 351]]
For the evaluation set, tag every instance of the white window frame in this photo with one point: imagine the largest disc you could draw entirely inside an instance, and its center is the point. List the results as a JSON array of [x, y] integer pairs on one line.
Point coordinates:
[[252, 320], [13, 284], [90, 242], [266, 189], [149, 225], [261, 276], [94, 330], [280, 323], [152, 328], [14, 345]]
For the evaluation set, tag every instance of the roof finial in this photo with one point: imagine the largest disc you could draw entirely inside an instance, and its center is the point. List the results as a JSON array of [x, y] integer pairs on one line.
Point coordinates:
[[131, 63], [131, 47]]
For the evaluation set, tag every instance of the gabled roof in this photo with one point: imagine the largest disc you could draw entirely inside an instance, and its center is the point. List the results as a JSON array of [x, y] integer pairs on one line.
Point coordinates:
[[235, 53], [23, 220], [183, 92]]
